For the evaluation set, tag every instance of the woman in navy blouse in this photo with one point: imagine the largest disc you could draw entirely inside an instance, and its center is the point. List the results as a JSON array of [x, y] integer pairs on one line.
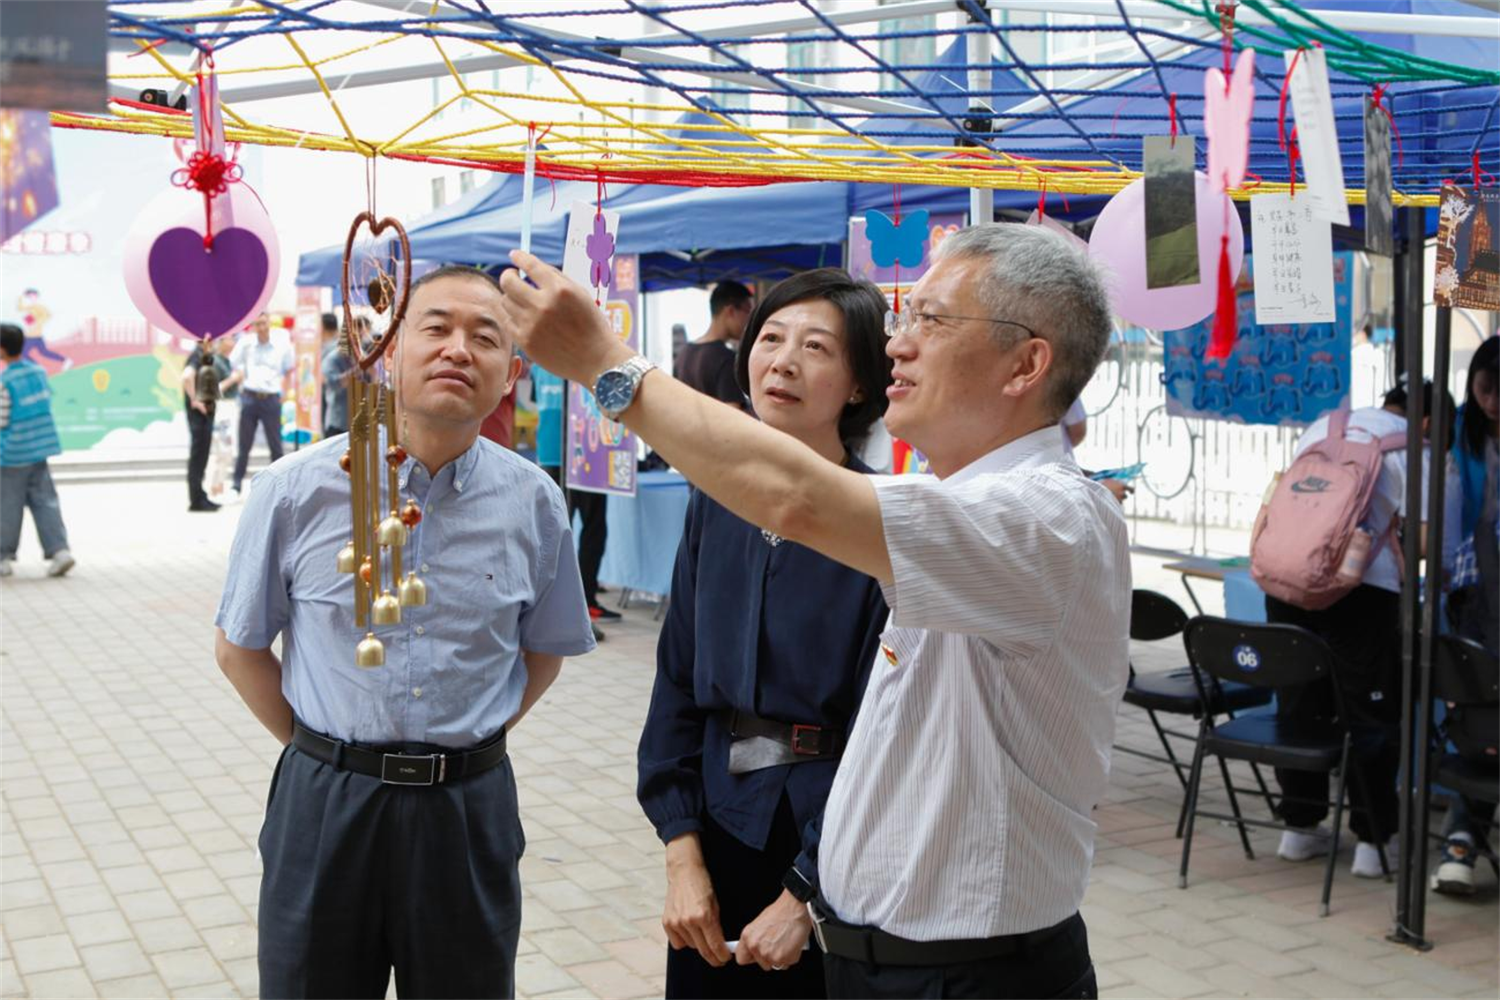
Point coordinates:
[[761, 664]]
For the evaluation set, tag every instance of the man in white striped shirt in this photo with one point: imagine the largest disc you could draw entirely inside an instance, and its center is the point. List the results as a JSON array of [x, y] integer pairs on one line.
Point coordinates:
[[958, 837]]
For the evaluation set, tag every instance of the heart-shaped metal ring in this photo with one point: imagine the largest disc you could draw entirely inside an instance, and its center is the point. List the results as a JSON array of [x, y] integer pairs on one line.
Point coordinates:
[[356, 351]]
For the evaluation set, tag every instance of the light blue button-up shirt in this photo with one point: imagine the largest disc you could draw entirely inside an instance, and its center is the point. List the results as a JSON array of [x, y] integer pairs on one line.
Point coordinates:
[[496, 551]]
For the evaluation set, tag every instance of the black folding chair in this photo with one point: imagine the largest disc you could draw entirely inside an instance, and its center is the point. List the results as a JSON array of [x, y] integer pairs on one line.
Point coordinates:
[[1271, 656], [1154, 617], [1466, 677]]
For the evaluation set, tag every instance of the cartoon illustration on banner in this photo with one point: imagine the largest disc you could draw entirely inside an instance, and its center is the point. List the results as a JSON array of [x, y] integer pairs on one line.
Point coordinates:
[[601, 454]]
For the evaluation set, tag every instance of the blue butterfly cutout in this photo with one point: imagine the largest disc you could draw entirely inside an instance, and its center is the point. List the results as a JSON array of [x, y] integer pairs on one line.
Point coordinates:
[[890, 244]]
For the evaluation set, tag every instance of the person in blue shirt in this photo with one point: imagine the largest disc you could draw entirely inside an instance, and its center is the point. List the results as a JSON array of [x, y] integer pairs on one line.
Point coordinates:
[[760, 667], [392, 837], [28, 437]]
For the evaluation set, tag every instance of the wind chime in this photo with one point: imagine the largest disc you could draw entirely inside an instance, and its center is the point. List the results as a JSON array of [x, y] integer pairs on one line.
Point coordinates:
[[380, 525]]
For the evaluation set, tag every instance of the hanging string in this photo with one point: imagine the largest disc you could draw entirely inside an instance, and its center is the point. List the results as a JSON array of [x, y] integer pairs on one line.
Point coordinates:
[[1376, 98], [1288, 141], [1172, 116], [1480, 173], [897, 271], [1226, 319], [206, 171], [1041, 202]]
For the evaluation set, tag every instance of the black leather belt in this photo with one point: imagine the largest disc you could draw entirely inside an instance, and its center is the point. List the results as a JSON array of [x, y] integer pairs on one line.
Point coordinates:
[[757, 743], [262, 395], [400, 768], [876, 947]]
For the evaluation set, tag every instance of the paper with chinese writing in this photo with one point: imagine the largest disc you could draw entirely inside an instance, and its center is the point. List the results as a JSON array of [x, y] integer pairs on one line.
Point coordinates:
[[1171, 211], [1293, 261], [1317, 134], [584, 235], [1378, 236], [1468, 249]]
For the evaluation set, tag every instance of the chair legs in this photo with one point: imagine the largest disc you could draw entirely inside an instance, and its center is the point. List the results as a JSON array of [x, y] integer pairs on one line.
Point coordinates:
[[1166, 746], [1338, 824], [1190, 806], [1234, 807]]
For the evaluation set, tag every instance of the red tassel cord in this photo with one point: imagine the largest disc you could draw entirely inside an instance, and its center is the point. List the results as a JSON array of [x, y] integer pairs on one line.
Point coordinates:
[[1226, 319]]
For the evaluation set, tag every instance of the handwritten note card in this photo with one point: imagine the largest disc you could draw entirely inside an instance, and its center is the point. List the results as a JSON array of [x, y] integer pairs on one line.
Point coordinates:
[[1293, 261], [1317, 134]]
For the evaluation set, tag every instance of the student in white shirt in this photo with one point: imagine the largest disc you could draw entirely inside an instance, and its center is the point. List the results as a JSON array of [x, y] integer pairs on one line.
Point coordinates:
[[958, 835], [1363, 629], [262, 365]]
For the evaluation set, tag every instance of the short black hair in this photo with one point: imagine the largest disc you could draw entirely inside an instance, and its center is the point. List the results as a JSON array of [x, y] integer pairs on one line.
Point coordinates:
[[1476, 428], [330, 323], [863, 307], [727, 294], [12, 340], [1397, 398]]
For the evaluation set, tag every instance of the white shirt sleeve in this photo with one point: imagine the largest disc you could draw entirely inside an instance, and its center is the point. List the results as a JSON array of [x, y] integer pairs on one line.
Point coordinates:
[[1076, 414], [998, 556]]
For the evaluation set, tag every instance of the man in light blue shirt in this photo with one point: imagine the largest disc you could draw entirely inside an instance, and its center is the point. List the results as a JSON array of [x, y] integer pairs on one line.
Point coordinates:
[[263, 365], [392, 837]]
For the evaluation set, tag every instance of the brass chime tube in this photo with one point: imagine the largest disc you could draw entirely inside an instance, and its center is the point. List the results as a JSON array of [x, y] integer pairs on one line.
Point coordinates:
[[371, 522], [358, 428], [393, 484]]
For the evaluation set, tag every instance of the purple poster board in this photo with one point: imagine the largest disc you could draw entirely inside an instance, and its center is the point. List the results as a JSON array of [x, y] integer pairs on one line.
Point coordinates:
[[601, 453], [861, 266]]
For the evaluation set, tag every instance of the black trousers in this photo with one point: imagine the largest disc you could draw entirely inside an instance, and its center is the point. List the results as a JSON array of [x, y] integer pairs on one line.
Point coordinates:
[[257, 411], [1058, 966], [592, 508], [200, 441], [746, 881], [1364, 632], [362, 876]]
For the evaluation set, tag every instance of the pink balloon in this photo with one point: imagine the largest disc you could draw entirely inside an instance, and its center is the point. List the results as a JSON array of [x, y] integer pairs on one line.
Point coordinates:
[[1119, 243], [179, 207]]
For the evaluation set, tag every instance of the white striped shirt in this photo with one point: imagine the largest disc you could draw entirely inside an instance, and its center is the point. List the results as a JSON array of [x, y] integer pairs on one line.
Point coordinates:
[[962, 807]]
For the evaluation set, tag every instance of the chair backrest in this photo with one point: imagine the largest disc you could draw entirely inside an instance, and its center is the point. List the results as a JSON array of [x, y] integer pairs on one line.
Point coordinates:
[[1256, 654], [1154, 616], [1465, 673], [1467, 677]]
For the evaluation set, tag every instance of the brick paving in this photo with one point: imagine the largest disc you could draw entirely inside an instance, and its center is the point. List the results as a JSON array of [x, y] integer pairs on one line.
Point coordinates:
[[134, 783]]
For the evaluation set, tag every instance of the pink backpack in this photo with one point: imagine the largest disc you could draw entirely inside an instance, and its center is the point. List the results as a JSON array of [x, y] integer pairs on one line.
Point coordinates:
[[1308, 547]]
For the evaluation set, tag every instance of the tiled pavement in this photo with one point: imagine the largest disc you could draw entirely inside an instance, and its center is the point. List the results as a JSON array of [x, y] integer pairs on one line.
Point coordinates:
[[134, 781]]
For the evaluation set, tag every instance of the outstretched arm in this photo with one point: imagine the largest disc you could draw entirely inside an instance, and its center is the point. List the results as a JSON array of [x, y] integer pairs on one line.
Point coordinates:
[[766, 477]]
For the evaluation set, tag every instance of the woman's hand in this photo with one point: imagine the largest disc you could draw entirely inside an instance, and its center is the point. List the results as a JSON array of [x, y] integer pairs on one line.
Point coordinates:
[[691, 917], [775, 939]]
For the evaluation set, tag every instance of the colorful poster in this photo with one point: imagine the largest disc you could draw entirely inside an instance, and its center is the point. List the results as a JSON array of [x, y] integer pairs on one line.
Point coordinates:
[[1468, 266], [601, 453], [1284, 374], [28, 182], [307, 380], [862, 264]]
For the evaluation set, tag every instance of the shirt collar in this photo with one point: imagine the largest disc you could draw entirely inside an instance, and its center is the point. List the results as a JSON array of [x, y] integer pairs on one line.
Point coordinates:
[[463, 468], [1041, 447]]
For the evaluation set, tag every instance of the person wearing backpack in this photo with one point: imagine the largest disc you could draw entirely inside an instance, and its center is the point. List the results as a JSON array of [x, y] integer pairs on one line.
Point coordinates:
[[1326, 550]]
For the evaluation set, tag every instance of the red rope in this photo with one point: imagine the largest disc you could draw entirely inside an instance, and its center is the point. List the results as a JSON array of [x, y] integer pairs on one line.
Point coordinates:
[[1288, 142], [1172, 116], [896, 273], [1226, 25], [1480, 174], [1375, 101]]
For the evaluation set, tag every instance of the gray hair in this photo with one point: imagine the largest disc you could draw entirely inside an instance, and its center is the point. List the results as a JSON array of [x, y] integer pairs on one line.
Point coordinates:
[[1036, 277]]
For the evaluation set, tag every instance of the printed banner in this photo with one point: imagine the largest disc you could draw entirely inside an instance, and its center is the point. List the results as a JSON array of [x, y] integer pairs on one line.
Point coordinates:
[[307, 384], [1284, 374], [601, 453], [1468, 268]]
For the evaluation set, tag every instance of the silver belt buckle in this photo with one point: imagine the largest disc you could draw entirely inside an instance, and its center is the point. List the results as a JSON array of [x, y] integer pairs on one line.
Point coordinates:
[[399, 769]]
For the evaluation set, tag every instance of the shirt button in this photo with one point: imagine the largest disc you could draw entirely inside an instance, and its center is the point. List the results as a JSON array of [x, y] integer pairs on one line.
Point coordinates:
[[416, 692], [420, 630], [424, 567]]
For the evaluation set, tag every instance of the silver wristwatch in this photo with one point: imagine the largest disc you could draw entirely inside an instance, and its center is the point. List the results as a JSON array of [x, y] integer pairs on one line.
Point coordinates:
[[615, 389]]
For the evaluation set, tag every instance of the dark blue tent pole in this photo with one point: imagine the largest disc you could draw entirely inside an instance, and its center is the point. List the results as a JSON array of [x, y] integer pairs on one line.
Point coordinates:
[[1408, 319]]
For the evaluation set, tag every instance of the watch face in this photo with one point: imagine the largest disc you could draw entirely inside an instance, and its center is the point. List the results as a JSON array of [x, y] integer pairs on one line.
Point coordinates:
[[614, 391]]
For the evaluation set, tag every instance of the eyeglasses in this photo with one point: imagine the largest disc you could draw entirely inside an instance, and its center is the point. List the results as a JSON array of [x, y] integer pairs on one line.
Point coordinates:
[[924, 323]]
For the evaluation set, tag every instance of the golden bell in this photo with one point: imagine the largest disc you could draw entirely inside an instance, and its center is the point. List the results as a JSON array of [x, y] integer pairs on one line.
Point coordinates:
[[370, 652], [346, 558], [387, 610], [391, 531], [413, 591]]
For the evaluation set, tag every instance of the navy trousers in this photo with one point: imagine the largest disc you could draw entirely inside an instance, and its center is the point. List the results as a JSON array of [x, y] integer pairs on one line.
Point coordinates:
[[257, 411], [363, 877]]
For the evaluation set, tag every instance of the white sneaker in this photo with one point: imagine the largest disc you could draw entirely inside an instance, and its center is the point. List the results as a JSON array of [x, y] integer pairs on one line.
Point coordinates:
[[1367, 859], [1455, 874], [7, 567], [61, 563], [1304, 845]]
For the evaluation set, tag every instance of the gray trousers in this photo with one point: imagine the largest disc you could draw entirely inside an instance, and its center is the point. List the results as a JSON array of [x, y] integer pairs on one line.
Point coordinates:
[[23, 486], [361, 877]]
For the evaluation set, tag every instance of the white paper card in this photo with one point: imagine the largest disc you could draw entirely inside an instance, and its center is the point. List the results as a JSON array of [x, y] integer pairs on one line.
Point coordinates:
[[1317, 134], [1293, 261], [577, 262]]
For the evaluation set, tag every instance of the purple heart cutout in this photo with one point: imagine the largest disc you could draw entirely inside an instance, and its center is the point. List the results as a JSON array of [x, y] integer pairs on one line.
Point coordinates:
[[208, 292]]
